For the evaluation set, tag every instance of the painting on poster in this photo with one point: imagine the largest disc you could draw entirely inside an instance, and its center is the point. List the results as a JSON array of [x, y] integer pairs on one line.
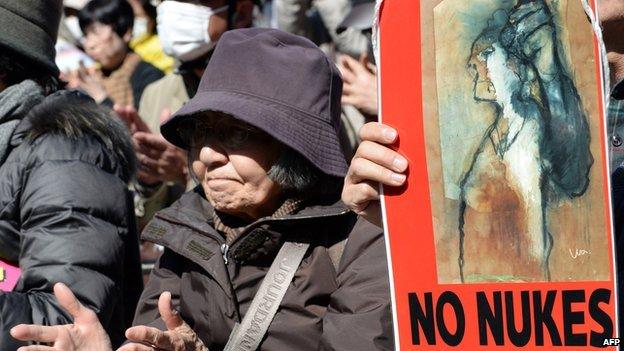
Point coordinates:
[[521, 198], [502, 235]]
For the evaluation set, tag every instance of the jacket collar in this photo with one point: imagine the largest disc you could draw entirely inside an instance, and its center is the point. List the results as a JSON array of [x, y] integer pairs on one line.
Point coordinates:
[[195, 211], [259, 238]]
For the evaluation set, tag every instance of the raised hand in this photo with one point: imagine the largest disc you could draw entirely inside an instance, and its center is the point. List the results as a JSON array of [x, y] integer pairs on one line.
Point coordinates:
[[86, 334], [131, 118], [374, 162], [360, 84], [158, 159], [88, 79], [178, 337]]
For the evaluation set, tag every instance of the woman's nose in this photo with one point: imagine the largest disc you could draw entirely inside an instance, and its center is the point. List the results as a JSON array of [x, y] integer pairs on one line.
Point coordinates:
[[213, 156]]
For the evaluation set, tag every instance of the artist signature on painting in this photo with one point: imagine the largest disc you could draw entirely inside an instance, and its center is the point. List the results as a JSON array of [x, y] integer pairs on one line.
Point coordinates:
[[578, 252]]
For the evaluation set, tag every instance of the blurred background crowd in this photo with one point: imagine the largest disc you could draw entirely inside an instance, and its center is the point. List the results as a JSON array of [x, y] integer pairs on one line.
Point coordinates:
[[141, 61], [144, 59]]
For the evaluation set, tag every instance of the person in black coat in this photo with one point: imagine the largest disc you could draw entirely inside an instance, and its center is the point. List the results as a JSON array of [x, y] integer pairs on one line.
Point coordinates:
[[65, 211]]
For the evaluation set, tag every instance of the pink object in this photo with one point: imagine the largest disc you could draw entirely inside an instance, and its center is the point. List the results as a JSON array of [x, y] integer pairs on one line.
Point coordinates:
[[9, 275]]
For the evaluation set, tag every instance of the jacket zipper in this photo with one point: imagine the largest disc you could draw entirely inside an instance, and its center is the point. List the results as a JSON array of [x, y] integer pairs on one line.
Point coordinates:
[[224, 250]]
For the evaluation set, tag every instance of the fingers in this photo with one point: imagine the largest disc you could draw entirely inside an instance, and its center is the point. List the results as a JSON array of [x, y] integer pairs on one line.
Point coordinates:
[[139, 123], [145, 149], [354, 65], [372, 68], [358, 196], [349, 100], [149, 335], [362, 169], [121, 112], [70, 303], [167, 313], [37, 348], [36, 333], [377, 132], [131, 117], [348, 89], [382, 155], [136, 347], [345, 70], [363, 59], [147, 177], [151, 140], [149, 164]]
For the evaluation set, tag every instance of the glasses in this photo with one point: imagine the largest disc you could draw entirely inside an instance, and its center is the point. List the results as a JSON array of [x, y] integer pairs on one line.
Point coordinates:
[[230, 135]]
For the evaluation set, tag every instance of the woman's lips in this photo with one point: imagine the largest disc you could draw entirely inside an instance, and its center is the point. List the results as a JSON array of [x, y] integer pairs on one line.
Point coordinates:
[[219, 183]]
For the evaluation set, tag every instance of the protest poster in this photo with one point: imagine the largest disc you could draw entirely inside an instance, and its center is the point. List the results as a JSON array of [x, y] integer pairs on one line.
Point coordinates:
[[502, 236], [9, 275]]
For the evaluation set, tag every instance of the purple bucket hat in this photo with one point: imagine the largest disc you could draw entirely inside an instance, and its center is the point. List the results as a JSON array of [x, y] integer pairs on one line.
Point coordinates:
[[278, 82]]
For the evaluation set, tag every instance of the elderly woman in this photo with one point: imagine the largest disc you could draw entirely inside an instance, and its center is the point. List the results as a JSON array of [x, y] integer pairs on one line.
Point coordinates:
[[107, 25], [255, 256]]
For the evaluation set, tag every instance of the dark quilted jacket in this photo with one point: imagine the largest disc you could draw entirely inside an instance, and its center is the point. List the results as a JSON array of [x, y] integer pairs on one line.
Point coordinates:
[[66, 216]]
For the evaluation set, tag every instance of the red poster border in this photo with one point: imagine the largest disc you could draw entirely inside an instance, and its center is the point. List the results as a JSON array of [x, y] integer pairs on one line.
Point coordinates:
[[400, 55]]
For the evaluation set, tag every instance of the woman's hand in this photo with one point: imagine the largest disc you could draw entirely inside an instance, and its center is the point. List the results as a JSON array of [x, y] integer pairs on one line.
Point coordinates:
[[374, 162], [360, 84], [159, 160], [178, 337], [86, 334], [90, 80], [130, 116]]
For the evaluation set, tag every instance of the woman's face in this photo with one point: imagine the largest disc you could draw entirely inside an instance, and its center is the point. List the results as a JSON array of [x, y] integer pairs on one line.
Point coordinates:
[[231, 161], [105, 46], [483, 88]]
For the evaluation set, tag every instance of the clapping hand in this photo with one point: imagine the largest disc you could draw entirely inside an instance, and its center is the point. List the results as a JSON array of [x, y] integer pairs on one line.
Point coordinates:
[[178, 337], [158, 159], [86, 334], [90, 80], [360, 83]]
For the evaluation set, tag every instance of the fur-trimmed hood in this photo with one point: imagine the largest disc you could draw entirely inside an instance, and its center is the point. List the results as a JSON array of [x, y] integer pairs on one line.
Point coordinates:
[[75, 115]]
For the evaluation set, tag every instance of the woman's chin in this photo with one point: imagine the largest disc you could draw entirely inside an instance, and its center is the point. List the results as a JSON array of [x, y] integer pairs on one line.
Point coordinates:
[[224, 204]]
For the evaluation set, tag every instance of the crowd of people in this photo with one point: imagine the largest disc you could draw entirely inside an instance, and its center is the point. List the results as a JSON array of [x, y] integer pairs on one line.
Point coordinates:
[[201, 174]]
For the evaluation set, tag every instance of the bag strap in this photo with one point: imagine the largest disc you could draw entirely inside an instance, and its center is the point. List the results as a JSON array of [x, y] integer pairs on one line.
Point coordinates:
[[249, 333]]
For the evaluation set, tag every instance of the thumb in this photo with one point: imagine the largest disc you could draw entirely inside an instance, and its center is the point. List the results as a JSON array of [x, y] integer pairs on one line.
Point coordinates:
[[167, 313], [69, 302]]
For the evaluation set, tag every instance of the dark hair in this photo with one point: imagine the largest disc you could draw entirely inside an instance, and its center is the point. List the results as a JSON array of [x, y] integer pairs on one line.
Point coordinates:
[[116, 13], [15, 69], [299, 178]]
